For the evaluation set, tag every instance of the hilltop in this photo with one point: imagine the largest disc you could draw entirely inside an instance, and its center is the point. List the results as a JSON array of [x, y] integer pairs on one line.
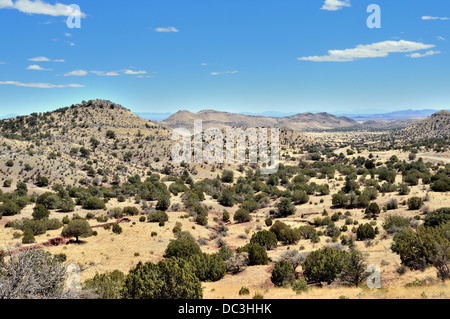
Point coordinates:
[[90, 142], [436, 126]]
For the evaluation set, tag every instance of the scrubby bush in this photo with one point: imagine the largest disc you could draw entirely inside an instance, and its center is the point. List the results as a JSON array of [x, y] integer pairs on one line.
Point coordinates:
[[157, 217], [257, 255], [283, 274], [365, 231], [414, 203], [40, 212], [168, 279], [242, 216], [208, 267], [265, 238], [437, 217], [324, 265], [78, 228], [182, 248]]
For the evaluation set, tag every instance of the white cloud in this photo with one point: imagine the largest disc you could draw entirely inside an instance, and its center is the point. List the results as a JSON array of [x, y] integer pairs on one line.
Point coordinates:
[[440, 38], [40, 7], [419, 55], [6, 4], [204, 64], [67, 34], [103, 73], [77, 73], [1, 62], [39, 59], [226, 72], [45, 59], [434, 18], [334, 5], [168, 29], [41, 85], [131, 72], [36, 67], [375, 50]]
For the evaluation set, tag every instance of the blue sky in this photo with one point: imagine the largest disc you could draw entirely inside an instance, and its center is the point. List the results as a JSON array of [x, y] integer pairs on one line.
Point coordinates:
[[229, 55]]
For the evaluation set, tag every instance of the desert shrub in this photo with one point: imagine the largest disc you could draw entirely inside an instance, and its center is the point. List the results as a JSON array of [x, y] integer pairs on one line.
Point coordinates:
[[53, 224], [257, 255], [354, 270], [300, 197], [289, 236], [168, 279], [237, 263], [227, 177], [293, 257], [282, 274], [393, 204], [106, 286], [38, 227], [365, 231], [340, 199], [395, 223], [242, 216], [40, 212], [157, 216], [417, 248], [93, 203], [182, 248], [414, 203], [28, 237], [437, 217], [9, 208], [373, 210], [130, 210], [163, 202], [226, 199], [244, 291], [277, 227], [208, 267], [285, 207], [33, 275], [300, 285], [266, 239], [324, 265], [225, 253], [78, 228], [403, 189], [226, 216], [268, 222], [116, 229]]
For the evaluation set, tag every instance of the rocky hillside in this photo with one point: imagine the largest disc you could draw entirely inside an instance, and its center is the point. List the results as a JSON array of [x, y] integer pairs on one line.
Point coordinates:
[[299, 122], [436, 126], [89, 142]]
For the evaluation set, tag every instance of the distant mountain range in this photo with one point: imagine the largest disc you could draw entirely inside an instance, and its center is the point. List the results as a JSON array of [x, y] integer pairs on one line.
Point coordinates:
[[362, 117], [298, 122], [8, 116]]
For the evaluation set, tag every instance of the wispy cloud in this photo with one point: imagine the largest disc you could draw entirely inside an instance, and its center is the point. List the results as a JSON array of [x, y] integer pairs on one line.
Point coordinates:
[[41, 85], [77, 73], [434, 18], [36, 67], [419, 55], [131, 72], [40, 7], [103, 73], [44, 59], [440, 38], [375, 50], [39, 59], [226, 72], [1, 62], [167, 30], [334, 5]]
